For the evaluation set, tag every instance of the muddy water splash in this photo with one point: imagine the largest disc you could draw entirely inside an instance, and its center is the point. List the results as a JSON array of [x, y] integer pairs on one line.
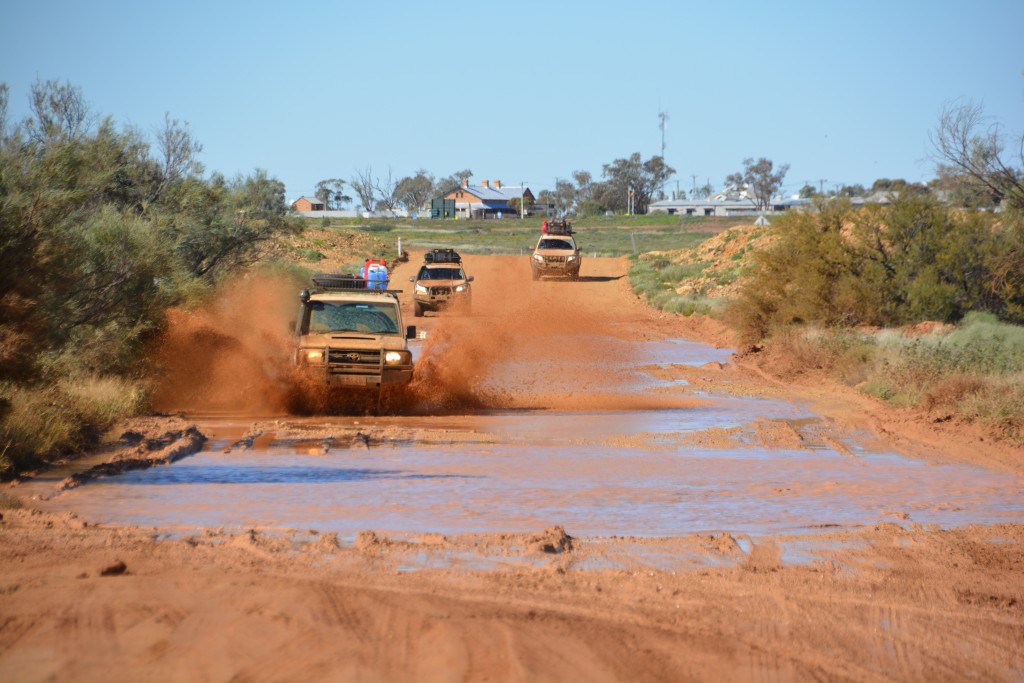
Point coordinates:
[[523, 347]]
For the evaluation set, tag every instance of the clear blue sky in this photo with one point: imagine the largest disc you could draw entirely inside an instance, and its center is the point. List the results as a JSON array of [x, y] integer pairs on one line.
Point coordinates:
[[531, 91]]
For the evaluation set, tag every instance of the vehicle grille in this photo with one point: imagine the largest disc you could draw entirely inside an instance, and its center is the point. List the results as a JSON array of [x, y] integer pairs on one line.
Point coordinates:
[[445, 291], [354, 361], [554, 259]]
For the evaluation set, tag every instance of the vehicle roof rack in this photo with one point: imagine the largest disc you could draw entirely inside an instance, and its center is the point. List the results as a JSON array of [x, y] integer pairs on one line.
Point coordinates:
[[442, 256], [331, 282], [562, 227]]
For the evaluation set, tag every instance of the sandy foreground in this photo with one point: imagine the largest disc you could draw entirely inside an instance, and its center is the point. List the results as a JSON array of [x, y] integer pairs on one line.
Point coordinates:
[[82, 601]]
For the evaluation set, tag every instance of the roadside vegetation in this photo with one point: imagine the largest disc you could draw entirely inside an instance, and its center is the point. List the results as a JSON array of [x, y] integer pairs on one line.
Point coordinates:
[[101, 230], [915, 303], [919, 302]]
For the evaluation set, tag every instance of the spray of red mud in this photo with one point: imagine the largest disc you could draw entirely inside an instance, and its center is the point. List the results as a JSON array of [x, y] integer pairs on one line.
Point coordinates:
[[526, 345], [232, 354]]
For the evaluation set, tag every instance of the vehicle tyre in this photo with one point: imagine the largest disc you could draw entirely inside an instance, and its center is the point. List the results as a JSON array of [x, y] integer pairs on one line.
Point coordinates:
[[536, 275], [417, 309]]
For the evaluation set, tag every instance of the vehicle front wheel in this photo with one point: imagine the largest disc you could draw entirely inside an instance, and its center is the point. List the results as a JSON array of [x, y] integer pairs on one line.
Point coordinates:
[[535, 274], [417, 309]]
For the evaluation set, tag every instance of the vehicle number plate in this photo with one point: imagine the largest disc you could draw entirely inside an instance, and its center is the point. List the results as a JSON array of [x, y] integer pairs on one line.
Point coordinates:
[[350, 380]]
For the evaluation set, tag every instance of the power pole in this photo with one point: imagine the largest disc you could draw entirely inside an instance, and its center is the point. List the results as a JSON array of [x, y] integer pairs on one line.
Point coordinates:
[[821, 185], [694, 193]]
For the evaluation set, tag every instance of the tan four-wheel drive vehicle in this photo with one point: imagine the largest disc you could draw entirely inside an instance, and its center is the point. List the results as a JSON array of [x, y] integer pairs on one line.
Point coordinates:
[[441, 283], [350, 331], [556, 252]]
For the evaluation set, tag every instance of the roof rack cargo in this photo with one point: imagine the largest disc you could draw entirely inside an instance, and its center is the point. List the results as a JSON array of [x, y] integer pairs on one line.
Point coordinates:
[[442, 256], [562, 227], [326, 282]]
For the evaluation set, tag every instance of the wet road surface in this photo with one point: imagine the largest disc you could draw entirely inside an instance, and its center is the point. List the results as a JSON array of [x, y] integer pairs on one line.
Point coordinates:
[[633, 472]]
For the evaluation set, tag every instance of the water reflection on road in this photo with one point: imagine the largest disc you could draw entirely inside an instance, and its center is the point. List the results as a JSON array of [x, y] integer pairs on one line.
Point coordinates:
[[603, 473]]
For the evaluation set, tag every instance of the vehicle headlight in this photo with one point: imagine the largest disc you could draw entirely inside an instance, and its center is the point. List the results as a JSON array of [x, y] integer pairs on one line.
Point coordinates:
[[313, 355], [421, 289], [397, 357], [461, 288], [572, 258], [538, 257]]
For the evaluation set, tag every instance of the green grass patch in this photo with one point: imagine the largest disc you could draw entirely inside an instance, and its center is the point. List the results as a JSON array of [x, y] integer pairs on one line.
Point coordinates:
[[974, 372], [309, 255], [657, 280], [598, 236]]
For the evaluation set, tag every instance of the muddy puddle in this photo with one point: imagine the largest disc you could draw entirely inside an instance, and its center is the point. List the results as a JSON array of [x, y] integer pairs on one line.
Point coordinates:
[[720, 464]]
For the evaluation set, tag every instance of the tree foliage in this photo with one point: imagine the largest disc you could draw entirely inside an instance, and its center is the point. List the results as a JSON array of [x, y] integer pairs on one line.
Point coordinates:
[[972, 151], [452, 182], [332, 193], [99, 233], [644, 178], [911, 261], [364, 185], [761, 180], [386, 190], [414, 192]]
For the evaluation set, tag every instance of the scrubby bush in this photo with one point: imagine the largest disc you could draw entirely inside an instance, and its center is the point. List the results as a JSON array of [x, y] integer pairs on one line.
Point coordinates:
[[912, 261], [99, 234]]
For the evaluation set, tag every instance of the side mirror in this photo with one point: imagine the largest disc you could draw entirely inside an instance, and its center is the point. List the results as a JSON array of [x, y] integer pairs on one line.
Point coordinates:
[[469, 279], [410, 332], [412, 279]]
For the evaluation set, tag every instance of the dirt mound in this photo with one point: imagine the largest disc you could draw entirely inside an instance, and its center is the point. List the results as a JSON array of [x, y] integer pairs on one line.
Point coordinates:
[[554, 540], [720, 260], [329, 249]]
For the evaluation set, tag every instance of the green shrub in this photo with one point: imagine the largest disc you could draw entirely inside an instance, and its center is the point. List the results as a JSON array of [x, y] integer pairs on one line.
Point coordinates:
[[675, 273], [912, 261], [310, 255]]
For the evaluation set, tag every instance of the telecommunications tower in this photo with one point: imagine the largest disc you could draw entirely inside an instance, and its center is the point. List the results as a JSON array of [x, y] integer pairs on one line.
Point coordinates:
[[663, 125]]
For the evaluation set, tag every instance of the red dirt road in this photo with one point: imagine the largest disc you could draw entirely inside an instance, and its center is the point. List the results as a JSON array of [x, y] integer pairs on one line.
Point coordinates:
[[882, 602]]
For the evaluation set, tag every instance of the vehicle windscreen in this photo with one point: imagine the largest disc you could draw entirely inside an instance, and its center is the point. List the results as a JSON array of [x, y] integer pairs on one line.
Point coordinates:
[[441, 274], [373, 318], [548, 243]]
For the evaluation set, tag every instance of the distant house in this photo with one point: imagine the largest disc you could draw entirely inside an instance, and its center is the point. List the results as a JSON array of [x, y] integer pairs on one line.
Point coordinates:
[[488, 200], [705, 207], [308, 204]]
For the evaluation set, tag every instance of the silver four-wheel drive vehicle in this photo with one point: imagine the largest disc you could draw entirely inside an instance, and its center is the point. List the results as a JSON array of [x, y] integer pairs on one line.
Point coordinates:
[[441, 283], [556, 253]]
